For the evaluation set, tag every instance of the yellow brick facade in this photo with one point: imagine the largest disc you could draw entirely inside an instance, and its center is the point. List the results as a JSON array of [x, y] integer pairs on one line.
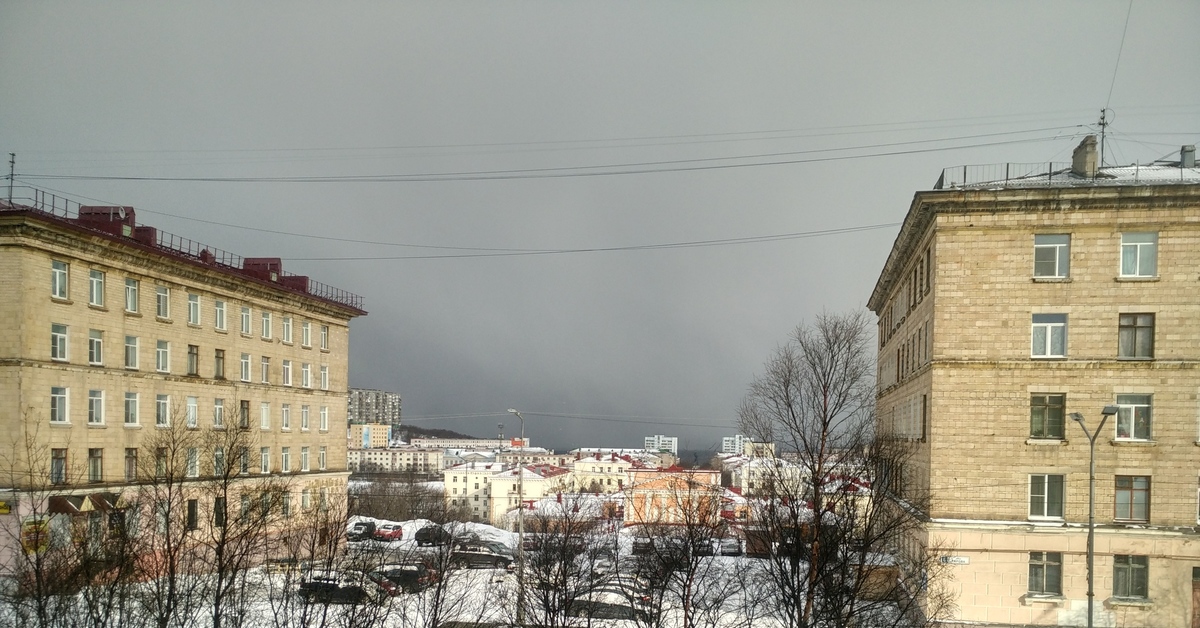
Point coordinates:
[[305, 417], [958, 377]]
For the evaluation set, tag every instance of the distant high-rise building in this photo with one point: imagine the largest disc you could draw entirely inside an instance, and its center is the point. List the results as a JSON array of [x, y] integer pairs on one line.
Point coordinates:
[[733, 444], [662, 443], [374, 406]]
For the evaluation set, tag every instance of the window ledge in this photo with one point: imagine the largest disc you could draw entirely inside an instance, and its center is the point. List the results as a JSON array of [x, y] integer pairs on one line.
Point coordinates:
[[1051, 280], [98, 308], [162, 319], [1135, 279], [194, 325], [1030, 599], [133, 426], [1047, 441], [61, 300], [1048, 358], [220, 331], [54, 424], [1120, 442], [96, 426], [1122, 358], [1126, 601], [133, 314]]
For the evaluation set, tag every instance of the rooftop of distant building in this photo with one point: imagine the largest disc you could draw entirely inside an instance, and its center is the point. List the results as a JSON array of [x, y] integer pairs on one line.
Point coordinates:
[[119, 224]]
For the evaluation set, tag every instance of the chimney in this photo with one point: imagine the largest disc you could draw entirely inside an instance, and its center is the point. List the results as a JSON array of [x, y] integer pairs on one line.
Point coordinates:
[[1083, 160], [1187, 156]]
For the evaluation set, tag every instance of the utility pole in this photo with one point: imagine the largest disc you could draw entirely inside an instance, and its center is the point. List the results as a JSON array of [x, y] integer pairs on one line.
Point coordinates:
[[1103, 127], [12, 165]]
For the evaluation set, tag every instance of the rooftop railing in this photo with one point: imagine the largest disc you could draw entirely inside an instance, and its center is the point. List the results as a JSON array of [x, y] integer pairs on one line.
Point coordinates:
[[1002, 174]]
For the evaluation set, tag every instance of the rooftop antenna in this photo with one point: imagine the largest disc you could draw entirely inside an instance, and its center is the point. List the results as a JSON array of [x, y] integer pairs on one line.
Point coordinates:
[[12, 164], [1104, 122]]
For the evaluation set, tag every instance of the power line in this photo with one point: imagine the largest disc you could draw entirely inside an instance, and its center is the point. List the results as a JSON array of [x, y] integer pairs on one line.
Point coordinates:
[[1120, 49], [641, 420]]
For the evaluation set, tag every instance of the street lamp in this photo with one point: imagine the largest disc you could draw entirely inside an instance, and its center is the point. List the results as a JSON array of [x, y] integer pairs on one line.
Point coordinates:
[[520, 526], [1091, 540]]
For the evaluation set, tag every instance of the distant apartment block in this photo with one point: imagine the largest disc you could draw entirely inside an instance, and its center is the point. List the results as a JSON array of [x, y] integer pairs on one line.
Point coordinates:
[[469, 443], [374, 406], [662, 443], [369, 436]]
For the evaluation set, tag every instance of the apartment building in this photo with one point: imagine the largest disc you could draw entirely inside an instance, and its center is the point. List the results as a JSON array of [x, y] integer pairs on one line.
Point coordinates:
[[489, 490], [600, 473], [658, 443], [1014, 297], [369, 435], [117, 333], [373, 406], [401, 459]]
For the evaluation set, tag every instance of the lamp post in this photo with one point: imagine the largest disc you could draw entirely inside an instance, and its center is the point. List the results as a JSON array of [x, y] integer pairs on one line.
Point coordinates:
[[520, 526], [1091, 539]]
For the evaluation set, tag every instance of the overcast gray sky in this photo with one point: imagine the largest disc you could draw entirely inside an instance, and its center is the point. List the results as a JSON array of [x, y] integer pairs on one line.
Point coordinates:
[[846, 109]]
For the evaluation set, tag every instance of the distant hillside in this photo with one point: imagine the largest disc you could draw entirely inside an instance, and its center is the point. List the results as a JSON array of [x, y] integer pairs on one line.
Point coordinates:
[[407, 432]]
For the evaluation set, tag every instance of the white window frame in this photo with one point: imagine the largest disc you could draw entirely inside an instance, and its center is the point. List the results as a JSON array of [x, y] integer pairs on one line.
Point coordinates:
[[96, 287], [306, 334], [287, 373], [1127, 417], [162, 410], [193, 462], [265, 365], [132, 290], [324, 427], [60, 399], [95, 347], [306, 375], [131, 408], [131, 352], [285, 459], [264, 415], [264, 459], [304, 459], [162, 302], [285, 417], [325, 337], [245, 321], [219, 314], [60, 277], [95, 407], [245, 362], [1056, 247], [1049, 326], [1139, 254], [287, 329], [193, 412], [266, 325], [324, 377], [218, 413], [304, 418], [59, 342], [162, 356], [193, 309], [1041, 486], [321, 456]]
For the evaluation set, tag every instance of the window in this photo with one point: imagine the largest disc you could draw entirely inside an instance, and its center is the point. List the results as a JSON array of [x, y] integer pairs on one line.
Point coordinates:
[[285, 504], [219, 512], [218, 413], [1133, 417], [304, 418], [264, 416], [1132, 498], [1051, 255], [287, 328], [285, 417], [244, 456], [219, 364], [219, 315], [58, 342], [244, 415], [193, 462], [162, 410], [95, 465], [58, 405], [245, 367], [160, 462], [1135, 336], [1049, 336], [245, 320], [96, 288], [325, 337], [304, 458], [162, 357], [1045, 573], [58, 466], [306, 334], [162, 302], [130, 464], [193, 514], [1131, 576], [219, 461], [1045, 496], [131, 408], [58, 279], [287, 372], [266, 370], [306, 375], [321, 458], [285, 459], [193, 309], [324, 377], [193, 411], [95, 347], [1139, 254], [266, 325], [1046, 416], [264, 460], [324, 418], [131, 352], [193, 360], [96, 407], [131, 295], [306, 499]]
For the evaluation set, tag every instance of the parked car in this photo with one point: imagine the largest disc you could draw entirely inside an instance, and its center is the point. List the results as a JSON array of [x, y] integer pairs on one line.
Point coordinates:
[[410, 577], [703, 547], [389, 532], [643, 545], [361, 530], [481, 554], [333, 587], [731, 547], [611, 603], [433, 535]]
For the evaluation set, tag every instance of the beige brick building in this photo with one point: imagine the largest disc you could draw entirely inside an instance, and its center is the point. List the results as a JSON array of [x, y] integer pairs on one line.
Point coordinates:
[[116, 333], [1008, 303]]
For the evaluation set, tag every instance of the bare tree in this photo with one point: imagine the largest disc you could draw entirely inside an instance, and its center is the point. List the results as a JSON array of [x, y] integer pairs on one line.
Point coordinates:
[[832, 537]]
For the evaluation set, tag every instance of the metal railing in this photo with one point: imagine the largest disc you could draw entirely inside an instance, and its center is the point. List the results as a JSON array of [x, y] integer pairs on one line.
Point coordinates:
[[25, 197], [1002, 174]]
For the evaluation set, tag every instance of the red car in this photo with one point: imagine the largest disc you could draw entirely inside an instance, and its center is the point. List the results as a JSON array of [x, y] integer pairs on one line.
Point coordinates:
[[389, 532]]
